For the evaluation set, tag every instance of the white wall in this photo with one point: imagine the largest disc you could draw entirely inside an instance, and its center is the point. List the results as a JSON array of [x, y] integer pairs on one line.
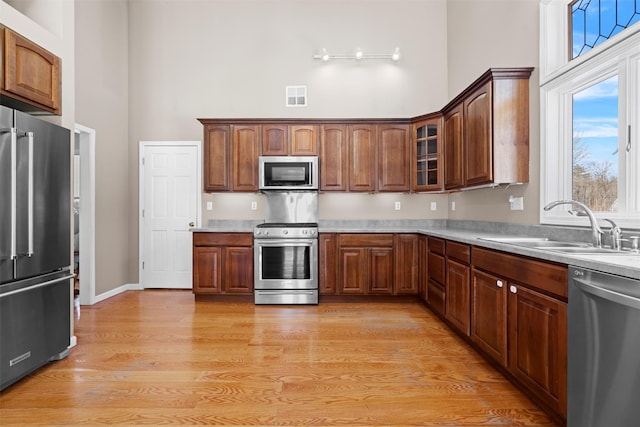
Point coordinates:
[[482, 35], [219, 58], [102, 104]]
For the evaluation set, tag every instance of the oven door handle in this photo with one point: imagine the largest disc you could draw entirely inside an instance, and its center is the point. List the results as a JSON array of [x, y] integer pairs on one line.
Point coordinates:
[[284, 242]]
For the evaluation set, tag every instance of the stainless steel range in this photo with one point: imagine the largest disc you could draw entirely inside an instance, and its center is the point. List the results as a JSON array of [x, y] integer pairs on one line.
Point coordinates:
[[286, 250]]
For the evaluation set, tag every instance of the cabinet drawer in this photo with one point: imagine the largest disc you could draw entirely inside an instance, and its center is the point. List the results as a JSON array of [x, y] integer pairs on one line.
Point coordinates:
[[436, 268], [366, 240], [545, 276], [459, 251], [436, 245], [222, 239]]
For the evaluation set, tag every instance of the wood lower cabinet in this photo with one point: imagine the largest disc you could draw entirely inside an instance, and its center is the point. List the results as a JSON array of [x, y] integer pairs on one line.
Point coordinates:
[[489, 315], [423, 262], [519, 318], [222, 263], [538, 344], [407, 264], [29, 73], [458, 286], [436, 295], [365, 264], [328, 263]]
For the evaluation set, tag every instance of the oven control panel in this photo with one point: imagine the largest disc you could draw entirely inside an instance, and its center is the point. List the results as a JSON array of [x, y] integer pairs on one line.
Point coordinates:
[[289, 232]]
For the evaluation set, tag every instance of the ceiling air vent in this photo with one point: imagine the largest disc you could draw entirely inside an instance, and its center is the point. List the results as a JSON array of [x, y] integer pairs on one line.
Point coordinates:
[[296, 96]]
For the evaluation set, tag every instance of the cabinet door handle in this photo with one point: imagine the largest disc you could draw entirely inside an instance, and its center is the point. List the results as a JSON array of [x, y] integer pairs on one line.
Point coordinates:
[[513, 289], [499, 283]]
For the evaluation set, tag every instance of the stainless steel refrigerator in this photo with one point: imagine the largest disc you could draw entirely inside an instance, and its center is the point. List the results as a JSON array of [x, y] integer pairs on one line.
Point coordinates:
[[35, 272]]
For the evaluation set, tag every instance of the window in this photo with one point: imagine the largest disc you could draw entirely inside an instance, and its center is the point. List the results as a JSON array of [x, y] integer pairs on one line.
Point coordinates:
[[590, 108]]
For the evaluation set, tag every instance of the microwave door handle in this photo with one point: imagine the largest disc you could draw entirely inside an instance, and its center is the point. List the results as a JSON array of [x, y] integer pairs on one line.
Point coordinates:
[[30, 195]]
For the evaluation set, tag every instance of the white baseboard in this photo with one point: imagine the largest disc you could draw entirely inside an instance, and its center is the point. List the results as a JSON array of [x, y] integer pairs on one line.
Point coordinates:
[[118, 290]]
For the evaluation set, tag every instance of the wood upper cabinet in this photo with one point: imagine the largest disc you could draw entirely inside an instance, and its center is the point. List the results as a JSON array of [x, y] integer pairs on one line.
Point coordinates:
[[453, 149], [478, 150], [289, 140], [217, 156], [362, 157], [303, 140], [365, 264], [458, 286], [231, 157], [394, 158], [275, 140], [427, 156], [29, 74], [244, 157], [486, 131], [222, 263], [333, 157], [407, 265]]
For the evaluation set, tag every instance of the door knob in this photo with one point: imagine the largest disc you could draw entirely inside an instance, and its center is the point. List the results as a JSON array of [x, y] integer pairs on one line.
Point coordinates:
[[192, 224]]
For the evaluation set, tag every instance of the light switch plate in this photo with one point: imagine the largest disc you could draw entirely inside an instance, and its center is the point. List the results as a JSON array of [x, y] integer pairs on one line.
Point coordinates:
[[397, 206]]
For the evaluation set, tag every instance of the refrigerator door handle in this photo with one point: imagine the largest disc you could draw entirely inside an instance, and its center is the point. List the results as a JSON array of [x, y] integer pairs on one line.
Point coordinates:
[[14, 193], [30, 195]]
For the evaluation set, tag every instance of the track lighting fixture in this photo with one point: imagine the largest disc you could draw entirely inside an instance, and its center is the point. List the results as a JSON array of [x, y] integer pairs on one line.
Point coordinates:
[[358, 55]]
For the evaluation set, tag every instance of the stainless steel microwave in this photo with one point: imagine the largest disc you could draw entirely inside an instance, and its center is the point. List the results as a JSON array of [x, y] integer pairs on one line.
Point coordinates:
[[288, 173]]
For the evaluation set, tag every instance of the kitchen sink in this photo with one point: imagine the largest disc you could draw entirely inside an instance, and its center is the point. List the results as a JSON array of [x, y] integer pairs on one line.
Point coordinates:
[[543, 243]]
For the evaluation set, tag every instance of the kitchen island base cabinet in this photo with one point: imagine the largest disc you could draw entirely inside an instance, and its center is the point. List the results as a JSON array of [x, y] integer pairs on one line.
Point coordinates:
[[222, 263]]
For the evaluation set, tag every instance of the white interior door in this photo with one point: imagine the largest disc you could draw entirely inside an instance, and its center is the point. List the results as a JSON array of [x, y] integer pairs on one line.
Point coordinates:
[[170, 200]]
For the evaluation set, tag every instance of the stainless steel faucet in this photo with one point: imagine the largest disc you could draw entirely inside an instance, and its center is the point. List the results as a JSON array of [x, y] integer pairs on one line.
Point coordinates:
[[616, 235], [596, 231]]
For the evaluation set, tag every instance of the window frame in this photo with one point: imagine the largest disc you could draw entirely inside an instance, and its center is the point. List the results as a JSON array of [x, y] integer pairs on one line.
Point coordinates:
[[560, 78]]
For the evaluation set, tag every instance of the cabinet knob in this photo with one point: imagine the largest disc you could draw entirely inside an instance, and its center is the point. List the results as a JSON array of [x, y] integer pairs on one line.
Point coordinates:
[[192, 224], [499, 283], [513, 289]]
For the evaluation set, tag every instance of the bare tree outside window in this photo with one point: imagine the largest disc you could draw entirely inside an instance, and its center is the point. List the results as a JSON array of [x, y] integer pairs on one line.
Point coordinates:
[[595, 145]]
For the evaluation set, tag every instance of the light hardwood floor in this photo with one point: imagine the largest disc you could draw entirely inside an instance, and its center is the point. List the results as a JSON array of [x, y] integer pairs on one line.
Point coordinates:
[[160, 357]]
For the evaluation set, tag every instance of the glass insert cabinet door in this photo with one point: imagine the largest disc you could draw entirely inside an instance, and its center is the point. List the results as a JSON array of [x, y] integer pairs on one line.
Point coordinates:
[[427, 155]]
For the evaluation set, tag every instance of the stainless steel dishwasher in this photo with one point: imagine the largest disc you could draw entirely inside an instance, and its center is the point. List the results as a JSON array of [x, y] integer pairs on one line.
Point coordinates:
[[604, 350]]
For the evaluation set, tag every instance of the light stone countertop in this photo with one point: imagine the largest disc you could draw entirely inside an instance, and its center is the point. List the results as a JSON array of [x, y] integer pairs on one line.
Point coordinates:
[[472, 232]]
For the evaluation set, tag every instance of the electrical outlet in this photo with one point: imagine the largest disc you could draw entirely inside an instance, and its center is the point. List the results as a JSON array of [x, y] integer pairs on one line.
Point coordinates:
[[434, 206], [254, 206], [453, 206], [397, 206], [209, 206], [516, 203]]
